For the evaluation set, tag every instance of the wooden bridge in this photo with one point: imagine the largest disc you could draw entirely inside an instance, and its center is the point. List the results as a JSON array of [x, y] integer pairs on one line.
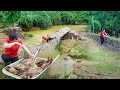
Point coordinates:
[[44, 45]]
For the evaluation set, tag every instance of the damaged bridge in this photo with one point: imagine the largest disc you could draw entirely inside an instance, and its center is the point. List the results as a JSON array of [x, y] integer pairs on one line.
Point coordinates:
[[61, 34], [43, 46]]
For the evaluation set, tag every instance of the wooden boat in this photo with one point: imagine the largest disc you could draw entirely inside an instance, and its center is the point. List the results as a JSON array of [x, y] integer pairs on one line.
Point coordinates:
[[18, 77]]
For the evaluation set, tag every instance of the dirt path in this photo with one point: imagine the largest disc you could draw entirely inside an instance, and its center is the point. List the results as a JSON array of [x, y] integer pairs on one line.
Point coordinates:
[[103, 65]]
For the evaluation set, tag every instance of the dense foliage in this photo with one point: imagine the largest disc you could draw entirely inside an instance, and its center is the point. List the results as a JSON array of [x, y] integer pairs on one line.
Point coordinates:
[[96, 20], [8, 17], [43, 19], [110, 20]]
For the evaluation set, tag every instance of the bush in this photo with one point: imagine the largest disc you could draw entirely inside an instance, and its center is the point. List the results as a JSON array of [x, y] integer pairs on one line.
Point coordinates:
[[67, 18], [25, 21], [8, 17], [97, 26], [81, 17], [35, 18], [55, 17], [42, 19]]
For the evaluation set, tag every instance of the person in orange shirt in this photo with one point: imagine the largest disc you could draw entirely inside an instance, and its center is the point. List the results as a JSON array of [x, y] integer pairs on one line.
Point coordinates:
[[12, 44], [102, 35]]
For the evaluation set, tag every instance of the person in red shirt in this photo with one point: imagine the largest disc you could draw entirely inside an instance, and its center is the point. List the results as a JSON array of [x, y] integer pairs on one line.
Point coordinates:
[[48, 38], [102, 35], [12, 44]]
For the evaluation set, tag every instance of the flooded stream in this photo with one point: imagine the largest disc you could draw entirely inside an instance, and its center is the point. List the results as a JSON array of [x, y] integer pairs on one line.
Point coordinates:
[[61, 66]]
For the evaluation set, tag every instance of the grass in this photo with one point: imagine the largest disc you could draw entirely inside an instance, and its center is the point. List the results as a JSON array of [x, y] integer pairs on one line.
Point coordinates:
[[78, 52], [108, 68], [59, 48], [28, 35], [66, 76], [108, 62]]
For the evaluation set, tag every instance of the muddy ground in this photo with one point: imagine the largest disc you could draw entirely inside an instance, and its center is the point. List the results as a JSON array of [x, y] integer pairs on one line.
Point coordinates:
[[98, 62]]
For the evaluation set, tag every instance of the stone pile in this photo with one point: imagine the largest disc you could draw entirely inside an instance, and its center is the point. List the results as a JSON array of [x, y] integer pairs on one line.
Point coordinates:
[[72, 35]]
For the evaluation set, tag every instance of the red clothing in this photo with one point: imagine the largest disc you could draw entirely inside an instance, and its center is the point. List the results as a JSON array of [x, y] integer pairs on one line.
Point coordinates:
[[46, 38], [102, 33], [12, 51]]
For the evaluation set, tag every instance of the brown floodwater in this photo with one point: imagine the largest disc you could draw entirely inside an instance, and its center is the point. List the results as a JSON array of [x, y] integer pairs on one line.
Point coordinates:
[[38, 34], [61, 66]]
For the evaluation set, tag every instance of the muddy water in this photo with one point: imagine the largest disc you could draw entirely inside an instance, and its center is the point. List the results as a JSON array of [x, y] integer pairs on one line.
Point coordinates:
[[38, 34], [61, 66]]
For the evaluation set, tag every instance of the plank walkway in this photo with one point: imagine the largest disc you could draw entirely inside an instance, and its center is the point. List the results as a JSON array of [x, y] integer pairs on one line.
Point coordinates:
[[44, 45]]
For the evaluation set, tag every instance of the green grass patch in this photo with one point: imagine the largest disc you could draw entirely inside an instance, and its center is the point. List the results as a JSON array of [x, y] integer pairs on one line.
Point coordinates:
[[107, 67], [58, 48], [28, 35], [79, 53], [108, 62]]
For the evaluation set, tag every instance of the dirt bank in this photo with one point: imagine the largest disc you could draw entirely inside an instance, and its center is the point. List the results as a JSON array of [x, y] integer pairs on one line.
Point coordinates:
[[98, 62]]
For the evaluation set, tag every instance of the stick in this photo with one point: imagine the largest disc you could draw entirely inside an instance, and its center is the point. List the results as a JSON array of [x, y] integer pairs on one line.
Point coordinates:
[[34, 60]]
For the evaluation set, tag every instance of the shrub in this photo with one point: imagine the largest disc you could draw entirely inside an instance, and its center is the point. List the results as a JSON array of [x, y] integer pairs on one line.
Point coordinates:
[[67, 18], [35, 18], [55, 17]]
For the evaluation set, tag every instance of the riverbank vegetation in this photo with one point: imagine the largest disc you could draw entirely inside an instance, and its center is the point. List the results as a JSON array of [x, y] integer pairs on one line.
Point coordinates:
[[43, 19], [110, 20]]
